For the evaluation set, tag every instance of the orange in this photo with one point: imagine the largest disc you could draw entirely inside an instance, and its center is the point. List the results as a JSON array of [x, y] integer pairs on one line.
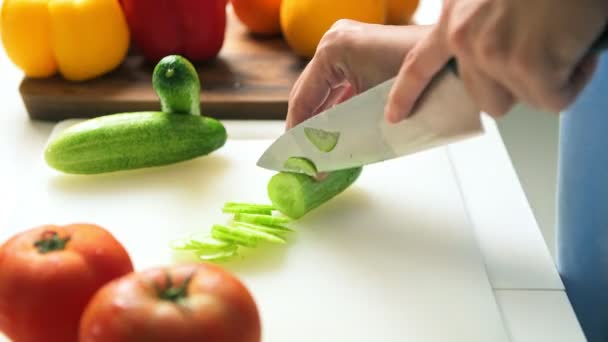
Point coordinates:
[[401, 11], [304, 22], [259, 16]]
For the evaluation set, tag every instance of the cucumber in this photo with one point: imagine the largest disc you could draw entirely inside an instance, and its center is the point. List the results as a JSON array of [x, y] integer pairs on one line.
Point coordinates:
[[295, 194], [241, 233], [127, 141], [217, 256], [235, 208], [177, 85], [275, 230], [202, 244], [249, 205], [266, 220], [228, 234]]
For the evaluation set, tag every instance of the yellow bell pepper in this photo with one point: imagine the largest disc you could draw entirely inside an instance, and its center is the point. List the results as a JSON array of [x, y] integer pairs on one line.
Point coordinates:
[[80, 39]]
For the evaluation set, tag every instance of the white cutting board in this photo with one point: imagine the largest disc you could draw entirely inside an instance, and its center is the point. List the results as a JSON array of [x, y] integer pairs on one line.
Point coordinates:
[[394, 258]]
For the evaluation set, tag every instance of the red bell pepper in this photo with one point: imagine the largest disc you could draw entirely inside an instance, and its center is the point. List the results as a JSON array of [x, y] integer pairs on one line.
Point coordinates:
[[194, 29]]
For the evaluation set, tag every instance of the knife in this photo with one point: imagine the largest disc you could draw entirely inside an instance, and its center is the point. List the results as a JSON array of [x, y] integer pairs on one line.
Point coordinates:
[[354, 133]]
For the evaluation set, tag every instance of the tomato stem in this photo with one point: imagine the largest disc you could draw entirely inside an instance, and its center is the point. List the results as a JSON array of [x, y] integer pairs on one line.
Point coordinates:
[[50, 242], [174, 293]]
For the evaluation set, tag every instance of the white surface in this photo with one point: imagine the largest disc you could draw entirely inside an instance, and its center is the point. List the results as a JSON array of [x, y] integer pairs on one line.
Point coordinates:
[[533, 316], [532, 138], [515, 253], [393, 260]]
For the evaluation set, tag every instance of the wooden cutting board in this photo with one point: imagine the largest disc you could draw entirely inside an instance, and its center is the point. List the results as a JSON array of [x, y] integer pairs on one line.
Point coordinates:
[[394, 258], [250, 79]]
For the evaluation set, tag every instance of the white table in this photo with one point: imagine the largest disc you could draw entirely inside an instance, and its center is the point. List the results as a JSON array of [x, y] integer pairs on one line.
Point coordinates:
[[527, 288]]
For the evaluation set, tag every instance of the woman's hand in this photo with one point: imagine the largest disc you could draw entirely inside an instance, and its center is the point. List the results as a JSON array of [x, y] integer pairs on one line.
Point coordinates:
[[530, 51], [351, 58]]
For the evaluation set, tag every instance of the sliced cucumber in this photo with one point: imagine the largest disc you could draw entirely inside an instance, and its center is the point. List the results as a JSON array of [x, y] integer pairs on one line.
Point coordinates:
[[249, 205], [249, 234], [224, 233], [276, 230], [249, 208], [206, 247], [183, 244], [246, 210], [262, 235], [295, 194], [300, 165], [217, 256], [325, 141], [207, 242], [266, 220]]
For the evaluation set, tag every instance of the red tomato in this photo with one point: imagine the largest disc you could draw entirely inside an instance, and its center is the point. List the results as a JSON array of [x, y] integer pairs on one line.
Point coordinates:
[[187, 302], [49, 273]]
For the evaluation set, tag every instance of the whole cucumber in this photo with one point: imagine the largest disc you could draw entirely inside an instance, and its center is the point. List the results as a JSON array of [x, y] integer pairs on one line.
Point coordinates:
[[136, 140], [177, 85], [296, 194]]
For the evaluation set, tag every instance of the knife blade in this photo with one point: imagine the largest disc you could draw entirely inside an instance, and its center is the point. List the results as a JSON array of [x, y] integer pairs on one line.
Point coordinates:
[[359, 134], [445, 113]]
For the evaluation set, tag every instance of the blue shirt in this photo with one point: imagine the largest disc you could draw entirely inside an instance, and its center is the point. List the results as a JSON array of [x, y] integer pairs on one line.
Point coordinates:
[[582, 222]]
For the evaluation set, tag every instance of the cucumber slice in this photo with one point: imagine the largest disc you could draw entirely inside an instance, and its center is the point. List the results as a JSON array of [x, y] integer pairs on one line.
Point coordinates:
[[220, 233], [249, 208], [249, 205], [261, 235], [204, 245], [276, 230], [247, 234], [266, 220], [217, 256], [208, 243], [246, 210], [324, 141], [295, 194], [300, 165], [183, 244]]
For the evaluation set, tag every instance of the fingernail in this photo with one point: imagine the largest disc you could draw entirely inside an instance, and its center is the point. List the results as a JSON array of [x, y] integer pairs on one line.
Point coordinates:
[[288, 122]]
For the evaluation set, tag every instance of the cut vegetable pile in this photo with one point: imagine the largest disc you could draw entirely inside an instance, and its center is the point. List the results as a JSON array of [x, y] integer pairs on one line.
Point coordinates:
[[250, 224], [292, 194]]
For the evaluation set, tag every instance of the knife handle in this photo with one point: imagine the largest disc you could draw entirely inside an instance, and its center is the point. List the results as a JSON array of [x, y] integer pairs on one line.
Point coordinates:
[[600, 44]]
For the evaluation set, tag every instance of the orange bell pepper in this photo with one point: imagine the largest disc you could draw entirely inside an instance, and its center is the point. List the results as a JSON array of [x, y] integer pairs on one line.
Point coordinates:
[[80, 39]]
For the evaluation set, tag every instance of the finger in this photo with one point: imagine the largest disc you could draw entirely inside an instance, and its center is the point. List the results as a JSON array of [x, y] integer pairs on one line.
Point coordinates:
[[580, 78], [491, 97], [309, 92], [336, 95], [549, 87], [418, 69], [516, 85]]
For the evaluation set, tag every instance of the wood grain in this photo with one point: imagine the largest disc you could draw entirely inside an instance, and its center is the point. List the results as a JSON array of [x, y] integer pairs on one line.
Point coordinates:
[[250, 79]]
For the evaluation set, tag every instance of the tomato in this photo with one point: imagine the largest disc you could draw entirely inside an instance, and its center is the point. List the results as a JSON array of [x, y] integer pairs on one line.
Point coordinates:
[[184, 302], [49, 273]]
